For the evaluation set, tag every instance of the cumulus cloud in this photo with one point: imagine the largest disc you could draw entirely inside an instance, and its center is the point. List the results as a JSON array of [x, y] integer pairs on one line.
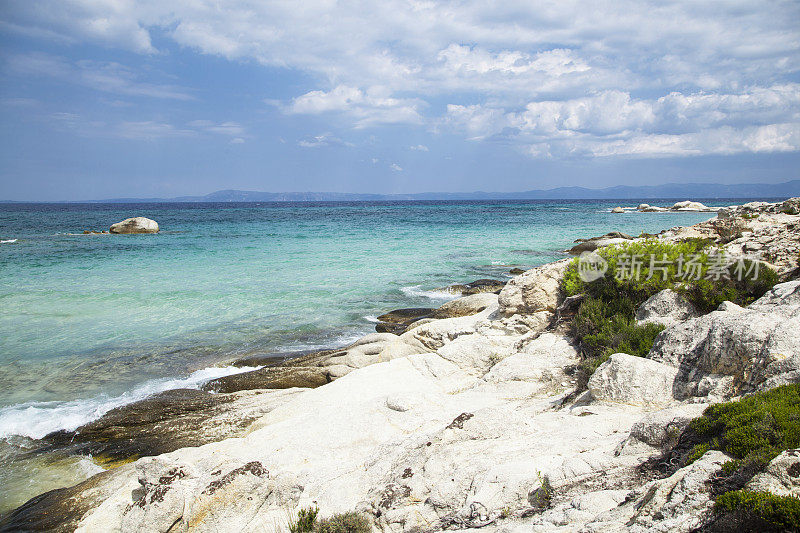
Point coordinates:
[[556, 78], [615, 123], [395, 167], [368, 108]]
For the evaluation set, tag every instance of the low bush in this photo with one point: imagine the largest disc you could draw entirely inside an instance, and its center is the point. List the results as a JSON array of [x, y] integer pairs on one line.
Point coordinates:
[[754, 430], [605, 323], [350, 522], [760, 511]]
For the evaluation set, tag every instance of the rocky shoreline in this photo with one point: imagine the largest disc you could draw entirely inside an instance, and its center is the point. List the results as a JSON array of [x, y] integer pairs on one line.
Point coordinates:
[[469, 415]]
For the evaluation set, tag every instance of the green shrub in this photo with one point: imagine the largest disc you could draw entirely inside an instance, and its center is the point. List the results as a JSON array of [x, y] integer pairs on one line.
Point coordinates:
[[779, 512], [753, 430], [307, 522], [605, 323], [351, 522], [306, 519]]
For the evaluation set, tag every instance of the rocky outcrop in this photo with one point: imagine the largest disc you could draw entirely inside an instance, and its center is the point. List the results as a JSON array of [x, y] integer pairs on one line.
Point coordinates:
[[688, 205], [618, 210], [736, 350], [398, 320], [135, 225], [667, 308], [633, 381], [590, 245], [166, 422], [466, 306], [781, 477], [647, 208], [468, 420], [475, 287], [535, 291]]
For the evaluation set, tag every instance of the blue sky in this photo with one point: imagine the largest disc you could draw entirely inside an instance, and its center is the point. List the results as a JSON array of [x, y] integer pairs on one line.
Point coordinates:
[[110, 98]]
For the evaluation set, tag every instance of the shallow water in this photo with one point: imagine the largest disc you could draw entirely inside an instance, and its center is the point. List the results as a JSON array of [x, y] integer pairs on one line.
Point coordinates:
[[88, 318]]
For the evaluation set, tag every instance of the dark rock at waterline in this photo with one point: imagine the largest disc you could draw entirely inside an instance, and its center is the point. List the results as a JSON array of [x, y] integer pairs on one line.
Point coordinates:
[[397, 321], [475, 287], [58, 510], [305, 370], [590, 245], [516, 271], [271, 377], [159, 424]]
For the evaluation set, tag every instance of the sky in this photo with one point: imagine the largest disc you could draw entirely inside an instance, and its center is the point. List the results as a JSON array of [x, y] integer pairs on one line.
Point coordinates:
[[121, 98]]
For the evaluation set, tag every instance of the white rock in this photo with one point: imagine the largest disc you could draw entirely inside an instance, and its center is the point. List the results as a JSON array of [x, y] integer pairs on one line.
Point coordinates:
[[135, 225], [618, 210], [736, 350], [688, 205], [679, 503], [634, 381], [781, 477], [666, 308], [535, 290]]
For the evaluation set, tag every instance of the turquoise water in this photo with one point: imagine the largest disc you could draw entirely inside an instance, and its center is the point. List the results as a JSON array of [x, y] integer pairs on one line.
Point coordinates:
[[87, 319]]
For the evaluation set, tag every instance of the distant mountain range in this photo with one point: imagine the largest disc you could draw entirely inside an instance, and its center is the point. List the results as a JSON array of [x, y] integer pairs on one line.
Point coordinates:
[[620, 192]]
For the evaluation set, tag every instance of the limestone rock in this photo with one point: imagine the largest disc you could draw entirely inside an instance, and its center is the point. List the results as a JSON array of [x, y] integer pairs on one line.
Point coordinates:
[[688, 205], [781, 477], [618, 210], [634, 381], [135, 225], [736, 350], [536, 290], [465, 306], [679, 503], [666, 308]]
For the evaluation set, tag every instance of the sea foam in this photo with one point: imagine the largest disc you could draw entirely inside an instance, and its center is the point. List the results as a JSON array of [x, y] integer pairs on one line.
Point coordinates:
[[37, 419], [415, 290]]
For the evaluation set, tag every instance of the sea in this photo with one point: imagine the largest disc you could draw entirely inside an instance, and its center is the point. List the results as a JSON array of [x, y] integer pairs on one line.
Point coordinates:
[[92, 322]]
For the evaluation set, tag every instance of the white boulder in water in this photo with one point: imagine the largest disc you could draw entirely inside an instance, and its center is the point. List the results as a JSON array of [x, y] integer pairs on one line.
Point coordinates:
[[135, 225], [688, 205]]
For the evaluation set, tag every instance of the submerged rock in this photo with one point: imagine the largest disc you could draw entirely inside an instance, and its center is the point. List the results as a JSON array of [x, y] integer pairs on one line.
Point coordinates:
[[135, 225]]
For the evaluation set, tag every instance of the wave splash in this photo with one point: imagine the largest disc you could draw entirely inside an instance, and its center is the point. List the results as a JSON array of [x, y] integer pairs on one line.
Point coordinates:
[[37, 419], [416, 291]]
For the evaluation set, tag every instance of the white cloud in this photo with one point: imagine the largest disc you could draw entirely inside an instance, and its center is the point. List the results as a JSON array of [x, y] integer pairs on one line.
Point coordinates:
[[236, 140], [395, 167], [614, 123], [560, 77], [419, 148], [102, 76], [325, 139], [368, 108]]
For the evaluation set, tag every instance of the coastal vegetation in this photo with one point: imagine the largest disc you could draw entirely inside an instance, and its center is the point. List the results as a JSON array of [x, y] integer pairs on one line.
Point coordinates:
[[605, 322], [350, 522]]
